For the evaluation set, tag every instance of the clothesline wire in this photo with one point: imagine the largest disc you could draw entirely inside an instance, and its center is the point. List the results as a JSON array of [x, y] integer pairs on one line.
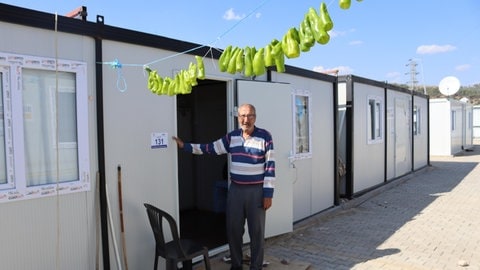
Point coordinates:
[[174, 55], [118, 64], [241, 20]]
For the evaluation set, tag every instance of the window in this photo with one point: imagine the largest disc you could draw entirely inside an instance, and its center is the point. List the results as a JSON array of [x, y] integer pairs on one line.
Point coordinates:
[[454, 121], [375, 119], [301, 118], [45, 109], [416, 120], [3, 152], [469, 120]]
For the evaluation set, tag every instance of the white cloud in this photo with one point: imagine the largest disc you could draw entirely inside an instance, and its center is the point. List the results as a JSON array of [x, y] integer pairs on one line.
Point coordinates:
[[258, 15], [334, 33], [394, 77], [356, 42], [231, 15], [462, 67], [393, 74], [432, 49], [342, 70]]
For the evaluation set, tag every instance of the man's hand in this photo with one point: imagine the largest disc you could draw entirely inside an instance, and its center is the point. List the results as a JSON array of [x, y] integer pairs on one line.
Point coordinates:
[[178, 141], [267, 203]]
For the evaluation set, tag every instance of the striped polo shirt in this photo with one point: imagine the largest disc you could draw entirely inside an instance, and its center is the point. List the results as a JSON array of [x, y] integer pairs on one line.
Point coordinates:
[[252, 159]]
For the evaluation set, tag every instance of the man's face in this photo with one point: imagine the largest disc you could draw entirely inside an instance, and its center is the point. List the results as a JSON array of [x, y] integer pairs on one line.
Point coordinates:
[[246, 118]]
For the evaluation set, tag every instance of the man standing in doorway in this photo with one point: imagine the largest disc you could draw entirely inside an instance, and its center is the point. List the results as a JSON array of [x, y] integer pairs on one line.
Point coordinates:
[[252, 175]]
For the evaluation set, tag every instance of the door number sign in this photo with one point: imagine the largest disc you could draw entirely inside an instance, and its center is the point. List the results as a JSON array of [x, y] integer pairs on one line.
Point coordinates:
[[159, 140]]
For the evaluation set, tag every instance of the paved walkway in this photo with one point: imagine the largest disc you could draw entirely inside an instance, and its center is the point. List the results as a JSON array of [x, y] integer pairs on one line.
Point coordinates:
[[428, 220]]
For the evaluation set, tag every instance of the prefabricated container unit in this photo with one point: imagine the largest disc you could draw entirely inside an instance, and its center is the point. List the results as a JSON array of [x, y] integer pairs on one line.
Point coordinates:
[[93, 143], [451, 126], [420, 131], [468, 126], [476, 121], [383, 133], [313, 103]]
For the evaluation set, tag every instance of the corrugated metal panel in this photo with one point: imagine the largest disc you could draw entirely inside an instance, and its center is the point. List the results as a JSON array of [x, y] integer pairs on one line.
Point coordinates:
[[57, 231], [43, 233]]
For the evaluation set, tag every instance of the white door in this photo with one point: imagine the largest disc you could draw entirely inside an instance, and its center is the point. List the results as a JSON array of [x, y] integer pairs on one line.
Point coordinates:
[[402, 137], [274, 113]]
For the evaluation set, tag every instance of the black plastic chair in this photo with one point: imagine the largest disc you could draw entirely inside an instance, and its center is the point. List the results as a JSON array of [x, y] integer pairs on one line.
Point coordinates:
[[177, 250]]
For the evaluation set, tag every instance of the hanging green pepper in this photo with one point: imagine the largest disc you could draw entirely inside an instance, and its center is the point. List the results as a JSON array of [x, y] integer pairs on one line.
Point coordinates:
[[158, 84], [269, 60], [225, 58], [200, 68], [309, 39], [240, 61], [166, 85], [305, 36], [321, 36], [187, 85], [259, 62], [290, 43], [344, 4], [232, 64], [277, 54], [182, 86], [174, 86], [324, 38], [180, 89], [151, 80], [248, 69], [280, 62], [315, 23], [303, 47], [191, 75], [276, 47], [171, 86], [325, 17]]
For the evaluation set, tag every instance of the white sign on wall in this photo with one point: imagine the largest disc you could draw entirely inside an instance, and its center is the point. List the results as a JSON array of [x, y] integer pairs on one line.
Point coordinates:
[[159, 140]]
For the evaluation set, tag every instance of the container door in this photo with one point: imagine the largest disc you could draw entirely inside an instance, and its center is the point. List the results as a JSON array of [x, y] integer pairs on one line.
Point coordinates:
[[402, 137], [274, 113]]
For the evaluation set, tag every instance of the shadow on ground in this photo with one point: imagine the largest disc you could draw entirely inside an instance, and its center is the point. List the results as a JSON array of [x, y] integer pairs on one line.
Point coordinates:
[[347, 237]]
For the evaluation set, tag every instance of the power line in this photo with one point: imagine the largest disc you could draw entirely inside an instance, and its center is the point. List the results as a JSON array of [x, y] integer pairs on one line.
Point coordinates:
[[413, 74]]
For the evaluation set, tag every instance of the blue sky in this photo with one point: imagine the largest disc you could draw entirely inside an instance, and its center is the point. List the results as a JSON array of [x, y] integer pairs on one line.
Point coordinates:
[[373, 39]]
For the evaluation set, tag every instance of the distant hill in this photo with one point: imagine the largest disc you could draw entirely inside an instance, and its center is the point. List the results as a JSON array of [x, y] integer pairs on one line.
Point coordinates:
[[472, 92]]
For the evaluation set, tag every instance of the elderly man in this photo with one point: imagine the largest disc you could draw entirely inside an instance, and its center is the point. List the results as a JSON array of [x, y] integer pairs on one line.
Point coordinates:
[[252, 173]]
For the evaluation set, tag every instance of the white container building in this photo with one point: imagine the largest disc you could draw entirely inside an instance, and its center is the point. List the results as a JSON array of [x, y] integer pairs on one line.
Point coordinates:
[[77, 121], [451, 126]]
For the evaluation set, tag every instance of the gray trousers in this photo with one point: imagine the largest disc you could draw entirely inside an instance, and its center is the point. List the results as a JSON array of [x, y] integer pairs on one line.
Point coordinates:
[[245, 202]]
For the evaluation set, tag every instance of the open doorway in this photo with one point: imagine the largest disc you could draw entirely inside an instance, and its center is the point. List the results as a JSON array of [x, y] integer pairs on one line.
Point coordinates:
[[202, 118]]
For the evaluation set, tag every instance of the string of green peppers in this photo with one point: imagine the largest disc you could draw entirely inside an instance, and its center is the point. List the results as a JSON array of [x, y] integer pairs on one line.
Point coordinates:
[[252, 62], [312, 29], [182, 83]]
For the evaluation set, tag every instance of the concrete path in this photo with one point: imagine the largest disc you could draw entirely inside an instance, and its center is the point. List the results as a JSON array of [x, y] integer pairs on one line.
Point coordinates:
[[427, 220]]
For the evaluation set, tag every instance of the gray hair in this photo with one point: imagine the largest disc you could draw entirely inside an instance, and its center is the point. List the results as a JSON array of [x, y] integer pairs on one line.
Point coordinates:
[[248, 105]]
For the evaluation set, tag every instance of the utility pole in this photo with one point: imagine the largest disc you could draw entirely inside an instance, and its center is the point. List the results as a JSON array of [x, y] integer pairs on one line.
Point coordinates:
[[413, 74]]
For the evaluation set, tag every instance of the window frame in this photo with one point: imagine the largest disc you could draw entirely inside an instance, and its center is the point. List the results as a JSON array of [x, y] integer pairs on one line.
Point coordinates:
[[7, 126], [375, 119], [453, 121], [306, 96], [17, 187], [417, 120]]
